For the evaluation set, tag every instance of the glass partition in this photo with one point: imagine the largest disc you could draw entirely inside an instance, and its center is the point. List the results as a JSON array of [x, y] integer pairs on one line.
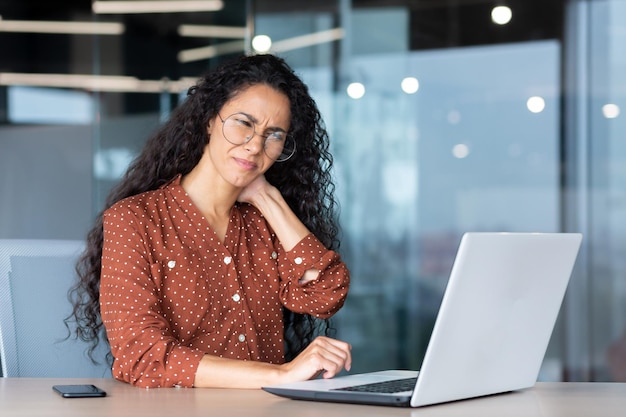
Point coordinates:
[[606, 154], [428, 144]]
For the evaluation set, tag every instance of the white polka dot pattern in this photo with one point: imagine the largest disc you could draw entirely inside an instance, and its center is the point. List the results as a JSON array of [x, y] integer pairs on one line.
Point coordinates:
[[171, 292]]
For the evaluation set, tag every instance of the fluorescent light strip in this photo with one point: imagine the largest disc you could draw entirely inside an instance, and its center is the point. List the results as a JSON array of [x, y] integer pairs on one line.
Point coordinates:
[[158, 6], [207, 31], [308, 40], [206, 52], [70, 28], [102, 83]]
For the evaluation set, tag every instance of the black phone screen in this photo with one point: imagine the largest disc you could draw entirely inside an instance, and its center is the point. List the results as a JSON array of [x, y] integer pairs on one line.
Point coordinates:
[[79, 391]]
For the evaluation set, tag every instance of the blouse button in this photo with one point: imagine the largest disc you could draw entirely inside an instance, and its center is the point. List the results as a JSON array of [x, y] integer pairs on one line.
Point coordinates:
[[227, 260], [274, 255], [298, 260], [236, 298], [242, 338], [171, 264]]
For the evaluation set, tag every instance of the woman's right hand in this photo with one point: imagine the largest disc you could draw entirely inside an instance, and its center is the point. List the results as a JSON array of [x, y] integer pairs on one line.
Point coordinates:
[[324, 356]]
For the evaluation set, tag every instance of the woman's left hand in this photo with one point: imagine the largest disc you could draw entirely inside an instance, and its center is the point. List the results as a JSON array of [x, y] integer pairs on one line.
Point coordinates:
[[249, 193], [270, 202]]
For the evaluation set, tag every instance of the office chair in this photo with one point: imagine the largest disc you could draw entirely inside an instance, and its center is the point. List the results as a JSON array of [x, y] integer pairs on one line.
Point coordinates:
[[35, 276]]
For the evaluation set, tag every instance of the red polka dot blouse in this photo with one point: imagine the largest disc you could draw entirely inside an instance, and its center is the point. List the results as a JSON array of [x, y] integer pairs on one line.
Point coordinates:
[[171, 292]]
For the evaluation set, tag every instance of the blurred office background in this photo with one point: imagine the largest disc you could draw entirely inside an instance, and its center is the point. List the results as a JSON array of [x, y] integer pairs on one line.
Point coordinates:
[[445, 116]]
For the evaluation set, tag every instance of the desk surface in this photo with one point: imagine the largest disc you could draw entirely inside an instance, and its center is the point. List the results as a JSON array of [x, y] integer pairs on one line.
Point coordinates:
[[34, 397]]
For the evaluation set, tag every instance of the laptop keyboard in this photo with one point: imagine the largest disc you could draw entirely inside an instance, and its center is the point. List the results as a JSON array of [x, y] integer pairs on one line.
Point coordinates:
[[386, 387]]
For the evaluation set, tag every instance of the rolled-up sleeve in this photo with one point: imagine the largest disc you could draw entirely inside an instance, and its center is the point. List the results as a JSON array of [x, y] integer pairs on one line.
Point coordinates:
[[321, 297]]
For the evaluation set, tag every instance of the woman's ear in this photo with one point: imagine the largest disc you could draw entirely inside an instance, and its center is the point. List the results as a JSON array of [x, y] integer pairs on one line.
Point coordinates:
[[210, 124]]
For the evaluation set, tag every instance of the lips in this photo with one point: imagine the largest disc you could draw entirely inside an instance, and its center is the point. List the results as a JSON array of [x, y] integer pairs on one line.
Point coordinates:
[[245, 164]]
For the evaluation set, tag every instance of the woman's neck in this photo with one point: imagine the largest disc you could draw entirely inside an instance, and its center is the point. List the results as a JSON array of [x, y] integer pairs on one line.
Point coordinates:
[[212, 196]]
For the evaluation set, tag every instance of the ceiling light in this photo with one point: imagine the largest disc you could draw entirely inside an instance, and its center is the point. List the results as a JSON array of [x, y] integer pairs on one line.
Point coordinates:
[[207, 52], [501, 15], [261, 43], [410, 85], [355, 90], [308, 40], [536, 104], [88, 82], [610, 111], [158, 6], [209, 31], [70, 28]]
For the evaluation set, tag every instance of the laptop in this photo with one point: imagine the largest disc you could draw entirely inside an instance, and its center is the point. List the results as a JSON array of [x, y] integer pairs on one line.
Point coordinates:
[[492, 330]]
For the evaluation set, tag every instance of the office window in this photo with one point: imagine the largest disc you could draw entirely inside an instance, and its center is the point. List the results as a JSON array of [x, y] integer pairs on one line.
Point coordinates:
[[596, 314], [441, 141]]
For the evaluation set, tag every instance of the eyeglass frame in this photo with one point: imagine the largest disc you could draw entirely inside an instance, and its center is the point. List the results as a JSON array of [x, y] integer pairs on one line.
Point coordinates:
[[254, 133]]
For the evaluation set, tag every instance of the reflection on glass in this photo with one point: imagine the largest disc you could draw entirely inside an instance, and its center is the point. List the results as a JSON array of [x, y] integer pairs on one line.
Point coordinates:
[[536, 104], [414, 175], [410, 85], [610, 111], [355, 90]]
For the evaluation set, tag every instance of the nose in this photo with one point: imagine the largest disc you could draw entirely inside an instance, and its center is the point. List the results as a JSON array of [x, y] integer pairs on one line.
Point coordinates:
[[255, 144]]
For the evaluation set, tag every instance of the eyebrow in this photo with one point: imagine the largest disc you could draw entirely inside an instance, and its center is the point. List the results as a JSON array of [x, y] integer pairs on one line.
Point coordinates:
[[256, 121]]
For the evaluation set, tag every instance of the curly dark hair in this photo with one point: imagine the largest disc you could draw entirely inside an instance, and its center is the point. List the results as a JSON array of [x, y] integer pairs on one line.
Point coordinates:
[[304, 180]]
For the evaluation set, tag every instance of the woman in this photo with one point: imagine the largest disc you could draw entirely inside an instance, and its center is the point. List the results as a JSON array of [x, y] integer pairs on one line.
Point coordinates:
[[213, 262]]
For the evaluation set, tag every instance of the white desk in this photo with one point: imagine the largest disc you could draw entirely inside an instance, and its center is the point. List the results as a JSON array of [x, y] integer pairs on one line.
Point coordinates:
[[34, 397]]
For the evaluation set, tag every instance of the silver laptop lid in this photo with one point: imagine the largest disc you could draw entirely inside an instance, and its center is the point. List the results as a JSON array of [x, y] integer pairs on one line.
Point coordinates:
[[497, 315]]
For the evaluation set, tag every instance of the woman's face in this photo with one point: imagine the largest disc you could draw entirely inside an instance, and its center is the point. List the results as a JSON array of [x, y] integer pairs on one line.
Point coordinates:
[[258, 106]]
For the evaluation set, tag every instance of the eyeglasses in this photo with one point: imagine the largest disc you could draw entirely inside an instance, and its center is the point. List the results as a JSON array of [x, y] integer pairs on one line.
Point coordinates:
[[238, 128]]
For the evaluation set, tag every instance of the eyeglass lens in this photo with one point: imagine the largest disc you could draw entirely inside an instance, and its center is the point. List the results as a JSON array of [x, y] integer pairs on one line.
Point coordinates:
[[239, 129]]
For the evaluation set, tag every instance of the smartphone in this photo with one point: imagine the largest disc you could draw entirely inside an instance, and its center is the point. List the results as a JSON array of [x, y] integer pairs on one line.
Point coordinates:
[[79, 391]]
